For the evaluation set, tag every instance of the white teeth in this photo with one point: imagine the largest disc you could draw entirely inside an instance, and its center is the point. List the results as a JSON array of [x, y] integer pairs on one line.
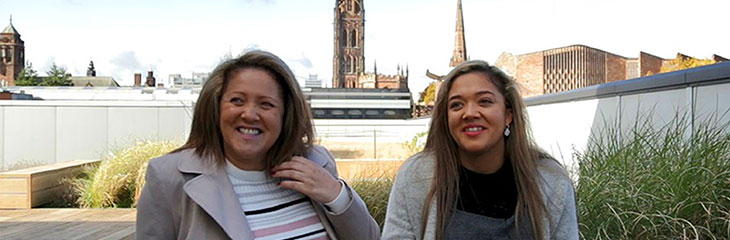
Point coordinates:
[[473, 129], [249, 131]]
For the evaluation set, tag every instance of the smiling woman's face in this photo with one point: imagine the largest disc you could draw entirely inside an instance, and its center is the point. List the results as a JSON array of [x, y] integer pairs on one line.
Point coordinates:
[[251, 116], [477, 114]]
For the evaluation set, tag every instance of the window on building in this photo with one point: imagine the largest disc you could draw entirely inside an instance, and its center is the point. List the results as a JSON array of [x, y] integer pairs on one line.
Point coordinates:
[[354, 38]]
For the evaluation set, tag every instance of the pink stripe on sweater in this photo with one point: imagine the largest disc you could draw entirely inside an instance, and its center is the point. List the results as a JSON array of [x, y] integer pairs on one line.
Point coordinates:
[[287, 227]]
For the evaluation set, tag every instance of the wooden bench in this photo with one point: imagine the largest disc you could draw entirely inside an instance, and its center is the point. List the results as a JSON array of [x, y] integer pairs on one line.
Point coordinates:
[[35, 186]]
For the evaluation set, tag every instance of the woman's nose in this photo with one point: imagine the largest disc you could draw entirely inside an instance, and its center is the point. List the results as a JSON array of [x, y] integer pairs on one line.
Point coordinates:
[[249, 113], [470, 111]]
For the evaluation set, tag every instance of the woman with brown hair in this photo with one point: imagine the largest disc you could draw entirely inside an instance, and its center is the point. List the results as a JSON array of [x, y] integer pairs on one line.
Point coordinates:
[[249, 169], [480, 175]]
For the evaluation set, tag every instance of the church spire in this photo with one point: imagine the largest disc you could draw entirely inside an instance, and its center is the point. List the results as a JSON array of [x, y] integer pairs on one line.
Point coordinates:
[[459, 42]]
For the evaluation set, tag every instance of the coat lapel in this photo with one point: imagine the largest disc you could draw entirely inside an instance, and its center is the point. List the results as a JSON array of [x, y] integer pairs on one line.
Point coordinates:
[[213, 192]]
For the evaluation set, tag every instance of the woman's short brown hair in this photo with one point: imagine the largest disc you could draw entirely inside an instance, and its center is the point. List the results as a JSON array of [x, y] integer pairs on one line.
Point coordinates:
[[296, 134]]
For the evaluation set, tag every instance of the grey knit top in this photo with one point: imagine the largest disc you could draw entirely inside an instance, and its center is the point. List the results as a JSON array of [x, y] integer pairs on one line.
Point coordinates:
[[403, 217]]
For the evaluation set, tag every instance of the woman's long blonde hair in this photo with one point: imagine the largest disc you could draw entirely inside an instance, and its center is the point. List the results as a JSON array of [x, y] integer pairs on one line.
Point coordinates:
[[519, 148]]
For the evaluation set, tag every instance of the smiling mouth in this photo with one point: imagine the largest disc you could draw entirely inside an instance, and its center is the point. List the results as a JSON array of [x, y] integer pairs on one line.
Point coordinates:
[[251, 131], [473, 129]]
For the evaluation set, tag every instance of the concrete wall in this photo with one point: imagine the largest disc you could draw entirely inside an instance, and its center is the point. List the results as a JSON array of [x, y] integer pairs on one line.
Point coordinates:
[[33, 132], [564, 128], [57, 131]]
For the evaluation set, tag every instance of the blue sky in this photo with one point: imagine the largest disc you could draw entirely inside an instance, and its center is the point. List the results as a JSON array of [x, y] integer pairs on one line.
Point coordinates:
[[123, 37]]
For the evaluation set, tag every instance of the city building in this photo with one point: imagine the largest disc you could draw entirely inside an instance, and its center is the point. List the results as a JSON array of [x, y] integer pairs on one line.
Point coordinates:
[[197, 79], [91, 80], [348, 63], [12, 55], [577, 66]]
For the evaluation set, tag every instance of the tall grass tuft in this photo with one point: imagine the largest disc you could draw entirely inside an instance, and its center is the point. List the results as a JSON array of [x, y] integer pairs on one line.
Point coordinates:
[[118, 180], [375, 191], [669, 182]]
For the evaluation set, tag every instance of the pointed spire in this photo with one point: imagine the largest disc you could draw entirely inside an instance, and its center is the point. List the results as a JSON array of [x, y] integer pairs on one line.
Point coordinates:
[[10, 28], [459, 40]]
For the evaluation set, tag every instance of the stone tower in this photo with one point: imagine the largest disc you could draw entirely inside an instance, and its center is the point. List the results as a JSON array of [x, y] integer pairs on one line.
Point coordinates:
[[459, 42], [349, 54], [12, 54]]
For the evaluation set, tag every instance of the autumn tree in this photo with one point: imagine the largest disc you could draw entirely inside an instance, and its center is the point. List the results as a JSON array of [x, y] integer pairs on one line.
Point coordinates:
[[684, 62], [428, 96]]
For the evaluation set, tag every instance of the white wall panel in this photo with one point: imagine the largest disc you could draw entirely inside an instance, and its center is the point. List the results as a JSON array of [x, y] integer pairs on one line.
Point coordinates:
[[713, 102], [30, 135], [130, 124], [172, 124], [81, 133]]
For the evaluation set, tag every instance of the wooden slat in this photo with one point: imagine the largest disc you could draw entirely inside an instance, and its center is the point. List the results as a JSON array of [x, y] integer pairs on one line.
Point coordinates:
[[51, 179], [13, 200], [68, 224], [14, 185], [43, 183], [44, 196]]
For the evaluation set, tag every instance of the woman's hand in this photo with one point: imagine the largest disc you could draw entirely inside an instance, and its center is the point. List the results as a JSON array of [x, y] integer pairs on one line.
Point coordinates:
[[304, 176]]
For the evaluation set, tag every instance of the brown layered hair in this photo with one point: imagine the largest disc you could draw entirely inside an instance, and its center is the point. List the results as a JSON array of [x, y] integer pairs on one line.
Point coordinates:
[[519, 148], [297, 133]]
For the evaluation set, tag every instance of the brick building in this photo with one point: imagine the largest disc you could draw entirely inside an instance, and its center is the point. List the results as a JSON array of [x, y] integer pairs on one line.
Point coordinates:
[[576, 66], [348, 63], [12, 55]]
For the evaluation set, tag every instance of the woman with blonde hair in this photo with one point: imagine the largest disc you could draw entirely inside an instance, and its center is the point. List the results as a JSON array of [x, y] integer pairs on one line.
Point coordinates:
[[249, 169], [480, 175]]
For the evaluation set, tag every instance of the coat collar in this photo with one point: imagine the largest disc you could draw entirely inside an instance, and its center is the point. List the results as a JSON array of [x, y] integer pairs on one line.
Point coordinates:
[[213, 192]]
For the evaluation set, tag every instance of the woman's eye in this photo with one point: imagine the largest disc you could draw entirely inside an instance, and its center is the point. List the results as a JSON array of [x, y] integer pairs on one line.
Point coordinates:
[[267, 104], [455, 105], [236, 100], [485, 101]]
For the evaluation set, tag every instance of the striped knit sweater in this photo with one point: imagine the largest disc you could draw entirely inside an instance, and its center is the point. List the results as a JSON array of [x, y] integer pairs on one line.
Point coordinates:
[[274, 212]]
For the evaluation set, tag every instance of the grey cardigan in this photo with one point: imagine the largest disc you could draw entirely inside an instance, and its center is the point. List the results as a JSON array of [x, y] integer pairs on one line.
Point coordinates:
[[186, 197], [403, 218]]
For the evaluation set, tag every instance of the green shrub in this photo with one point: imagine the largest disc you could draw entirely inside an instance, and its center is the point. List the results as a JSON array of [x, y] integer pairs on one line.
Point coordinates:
[[656, 183], [118, 180]]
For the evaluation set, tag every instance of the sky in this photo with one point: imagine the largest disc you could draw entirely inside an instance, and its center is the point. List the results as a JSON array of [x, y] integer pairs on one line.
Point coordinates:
[[169, 37]]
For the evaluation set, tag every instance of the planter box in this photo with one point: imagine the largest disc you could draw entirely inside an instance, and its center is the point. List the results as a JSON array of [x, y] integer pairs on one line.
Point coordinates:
[[31, 187]]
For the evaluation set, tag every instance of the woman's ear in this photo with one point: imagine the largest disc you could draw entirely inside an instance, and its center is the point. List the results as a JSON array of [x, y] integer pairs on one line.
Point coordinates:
[[508, 117]]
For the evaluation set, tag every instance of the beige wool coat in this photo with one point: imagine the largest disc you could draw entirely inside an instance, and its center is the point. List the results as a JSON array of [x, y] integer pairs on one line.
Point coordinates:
[[186, 197]]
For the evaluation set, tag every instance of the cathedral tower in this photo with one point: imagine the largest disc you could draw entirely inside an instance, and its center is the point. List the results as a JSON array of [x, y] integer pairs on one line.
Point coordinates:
[[12, 55], [349, 54], [459, 42]]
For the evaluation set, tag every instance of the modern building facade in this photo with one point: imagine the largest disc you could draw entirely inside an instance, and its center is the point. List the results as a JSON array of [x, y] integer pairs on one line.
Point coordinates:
[[576, 66]]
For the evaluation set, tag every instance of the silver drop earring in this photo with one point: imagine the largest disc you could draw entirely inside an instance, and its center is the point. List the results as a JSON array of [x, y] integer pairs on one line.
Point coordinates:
[[506, 131]]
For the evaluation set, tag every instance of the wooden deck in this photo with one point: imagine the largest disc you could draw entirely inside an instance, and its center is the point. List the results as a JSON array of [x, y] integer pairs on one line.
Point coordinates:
[[67, 223]]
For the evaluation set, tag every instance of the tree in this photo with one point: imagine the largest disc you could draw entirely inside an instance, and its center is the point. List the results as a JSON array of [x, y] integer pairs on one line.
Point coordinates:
[[428, 96], [57, 76], [684, 62], [28, 76]]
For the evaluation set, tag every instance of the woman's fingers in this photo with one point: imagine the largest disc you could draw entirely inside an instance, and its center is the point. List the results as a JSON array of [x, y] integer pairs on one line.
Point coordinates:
[[304, 176]]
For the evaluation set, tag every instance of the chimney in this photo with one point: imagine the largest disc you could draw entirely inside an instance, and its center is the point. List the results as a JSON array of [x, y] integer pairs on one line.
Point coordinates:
[[150, 79], [137, 79]]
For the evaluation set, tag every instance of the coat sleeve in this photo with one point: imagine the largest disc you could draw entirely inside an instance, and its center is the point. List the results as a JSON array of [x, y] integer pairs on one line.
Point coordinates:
[[567, 225], [154, 216], [355, 222], [397, 223]]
